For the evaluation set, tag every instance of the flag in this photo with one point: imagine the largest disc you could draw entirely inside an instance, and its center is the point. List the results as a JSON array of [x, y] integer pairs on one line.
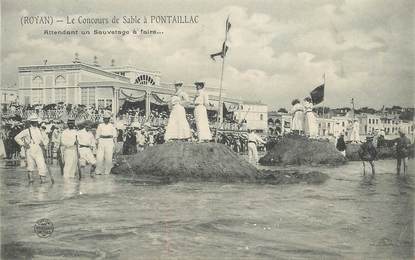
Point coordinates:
[[228, 25], [225, 45], [317, 95], [222, 53]]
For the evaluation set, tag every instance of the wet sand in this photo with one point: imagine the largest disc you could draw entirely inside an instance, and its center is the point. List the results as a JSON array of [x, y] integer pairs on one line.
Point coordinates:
[[120, 217]]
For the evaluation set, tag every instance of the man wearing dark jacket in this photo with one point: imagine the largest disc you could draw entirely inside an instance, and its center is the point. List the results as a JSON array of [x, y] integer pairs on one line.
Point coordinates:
[[341, 145]]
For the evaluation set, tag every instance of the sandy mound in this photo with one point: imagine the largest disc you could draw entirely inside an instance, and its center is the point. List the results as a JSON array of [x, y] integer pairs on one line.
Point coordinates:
[[212, 162], [297, 150]]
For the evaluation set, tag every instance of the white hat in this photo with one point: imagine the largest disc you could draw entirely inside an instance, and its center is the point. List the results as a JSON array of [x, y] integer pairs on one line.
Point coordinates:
[[33, 118], [107, 114]]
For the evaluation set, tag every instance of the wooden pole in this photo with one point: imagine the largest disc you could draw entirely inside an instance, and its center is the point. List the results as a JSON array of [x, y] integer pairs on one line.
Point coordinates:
[[220, 109]]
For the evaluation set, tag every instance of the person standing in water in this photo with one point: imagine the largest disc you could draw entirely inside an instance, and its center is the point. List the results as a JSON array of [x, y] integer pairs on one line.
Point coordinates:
[[106, 135], [402, 152], [200, 113], [33, 140], [177, 127]]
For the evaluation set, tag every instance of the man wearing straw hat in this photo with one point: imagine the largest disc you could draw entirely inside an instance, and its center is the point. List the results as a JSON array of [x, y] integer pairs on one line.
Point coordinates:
[[32, 140], [106, 135]]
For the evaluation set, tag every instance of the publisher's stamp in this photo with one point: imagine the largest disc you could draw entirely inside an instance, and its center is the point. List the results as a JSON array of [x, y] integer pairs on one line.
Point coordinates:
[[43, 228]]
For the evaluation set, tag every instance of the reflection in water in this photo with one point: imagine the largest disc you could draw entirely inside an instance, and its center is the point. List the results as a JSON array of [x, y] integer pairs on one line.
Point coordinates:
[[350, 216]]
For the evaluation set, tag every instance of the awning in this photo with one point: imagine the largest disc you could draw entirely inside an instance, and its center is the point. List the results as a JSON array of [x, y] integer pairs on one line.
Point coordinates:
[[160, 100], [231, 107], [132, 95]]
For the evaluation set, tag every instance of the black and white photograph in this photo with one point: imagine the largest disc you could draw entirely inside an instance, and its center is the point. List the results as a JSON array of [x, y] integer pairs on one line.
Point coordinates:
[[196, 129]]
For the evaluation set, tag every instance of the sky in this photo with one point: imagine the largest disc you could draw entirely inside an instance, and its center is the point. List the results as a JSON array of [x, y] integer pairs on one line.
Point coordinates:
[[279, 49]]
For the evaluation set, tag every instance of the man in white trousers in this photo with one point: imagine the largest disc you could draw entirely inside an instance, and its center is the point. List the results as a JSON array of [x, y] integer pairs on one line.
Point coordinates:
[[32, 140], [70, 155], [106, 135], [253, 140], [86, 143]]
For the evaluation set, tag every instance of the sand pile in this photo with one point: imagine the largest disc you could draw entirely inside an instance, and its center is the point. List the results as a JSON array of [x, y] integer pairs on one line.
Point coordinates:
[[298, 150], [209, 162]]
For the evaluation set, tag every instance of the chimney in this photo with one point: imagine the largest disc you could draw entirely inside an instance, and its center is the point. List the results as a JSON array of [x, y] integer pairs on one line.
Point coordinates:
[[76, 59], [112, 62], [96, 61]]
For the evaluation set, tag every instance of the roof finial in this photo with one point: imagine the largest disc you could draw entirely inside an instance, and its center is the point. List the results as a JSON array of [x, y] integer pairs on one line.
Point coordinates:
[[76, 59]]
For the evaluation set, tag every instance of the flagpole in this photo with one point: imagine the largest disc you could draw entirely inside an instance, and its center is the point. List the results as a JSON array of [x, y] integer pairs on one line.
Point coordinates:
[[324, 84], [220, 108]]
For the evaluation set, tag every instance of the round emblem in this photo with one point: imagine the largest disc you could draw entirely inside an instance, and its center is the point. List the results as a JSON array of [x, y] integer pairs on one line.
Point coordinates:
[[43, 228]]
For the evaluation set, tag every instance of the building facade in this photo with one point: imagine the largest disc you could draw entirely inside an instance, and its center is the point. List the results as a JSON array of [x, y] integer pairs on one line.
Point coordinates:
[[79, 83]]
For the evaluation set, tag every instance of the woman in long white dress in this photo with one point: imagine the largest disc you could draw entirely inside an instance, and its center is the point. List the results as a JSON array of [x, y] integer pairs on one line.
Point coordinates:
[[310, 120], [177, 127], [201, 118], [297, 112]]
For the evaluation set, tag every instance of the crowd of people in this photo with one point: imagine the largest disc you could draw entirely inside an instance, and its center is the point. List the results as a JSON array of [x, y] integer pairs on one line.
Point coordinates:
[[76, 140]]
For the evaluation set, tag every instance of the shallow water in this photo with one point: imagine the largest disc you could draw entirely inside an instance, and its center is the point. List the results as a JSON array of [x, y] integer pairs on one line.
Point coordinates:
[[117, 217]]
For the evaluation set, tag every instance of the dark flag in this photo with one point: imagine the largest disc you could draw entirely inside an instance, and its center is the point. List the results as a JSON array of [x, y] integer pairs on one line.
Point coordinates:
[[225, 45], [317, 95], [222, 53]]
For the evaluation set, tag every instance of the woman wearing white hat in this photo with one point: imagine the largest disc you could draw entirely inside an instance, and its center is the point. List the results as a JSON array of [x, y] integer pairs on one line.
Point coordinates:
[[177, 127], [201, 118]]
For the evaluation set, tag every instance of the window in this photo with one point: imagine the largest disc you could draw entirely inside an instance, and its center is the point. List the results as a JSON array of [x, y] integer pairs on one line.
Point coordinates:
[[370, 121], [48, 96], [343, 124], [328, 125], [60, 81], [261, 117], [71, 96], [144, 80], [92, 96], [37, 96], [60, 95], [84, 96], [37, 82]]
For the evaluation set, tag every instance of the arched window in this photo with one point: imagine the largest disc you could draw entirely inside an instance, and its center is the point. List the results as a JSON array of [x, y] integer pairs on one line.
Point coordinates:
[[37, 82], [60, 80], [144, 80]]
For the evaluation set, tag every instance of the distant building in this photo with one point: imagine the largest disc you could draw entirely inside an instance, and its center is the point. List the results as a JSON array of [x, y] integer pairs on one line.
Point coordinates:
[[255, 113], [110, 87]]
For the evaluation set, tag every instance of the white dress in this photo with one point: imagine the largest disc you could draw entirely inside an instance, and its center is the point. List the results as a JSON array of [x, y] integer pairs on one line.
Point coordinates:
[[310, 121], [177, 126], [298, 117], [202, 122]]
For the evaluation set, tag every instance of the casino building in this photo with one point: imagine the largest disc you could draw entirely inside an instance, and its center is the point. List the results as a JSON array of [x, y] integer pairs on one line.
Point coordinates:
[[86, 84]]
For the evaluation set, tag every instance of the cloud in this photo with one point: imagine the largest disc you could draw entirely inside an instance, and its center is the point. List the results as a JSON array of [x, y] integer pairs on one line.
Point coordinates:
[[279, 50]]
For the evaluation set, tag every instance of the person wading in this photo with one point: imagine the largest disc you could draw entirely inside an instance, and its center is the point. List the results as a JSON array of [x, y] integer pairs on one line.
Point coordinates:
[[341, 145], [367, 152], [68, 144], [86, 144], [33, 140], [403, 146], [106, 135]]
